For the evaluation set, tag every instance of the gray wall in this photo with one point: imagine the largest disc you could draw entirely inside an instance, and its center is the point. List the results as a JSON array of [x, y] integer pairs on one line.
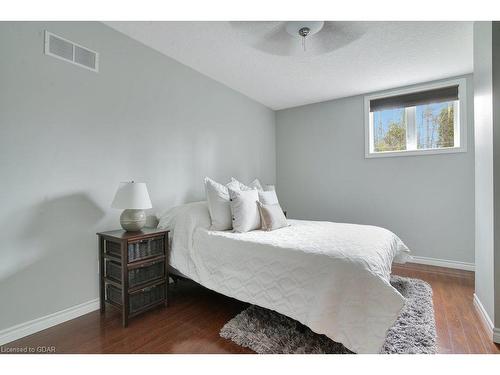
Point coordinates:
[[483, 136], [322, 174], [487, 138], [496, 170], [68, 136]]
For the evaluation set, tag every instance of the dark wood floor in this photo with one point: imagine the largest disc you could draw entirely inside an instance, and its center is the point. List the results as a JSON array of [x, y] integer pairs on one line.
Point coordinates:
[[458, 324], [192, 322]]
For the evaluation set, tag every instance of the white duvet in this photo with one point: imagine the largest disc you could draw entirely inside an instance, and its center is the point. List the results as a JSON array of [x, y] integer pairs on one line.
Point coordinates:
[[332, 277]]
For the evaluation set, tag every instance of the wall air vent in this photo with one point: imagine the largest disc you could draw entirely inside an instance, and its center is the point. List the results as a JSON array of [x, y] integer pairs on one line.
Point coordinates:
[[71, 52]]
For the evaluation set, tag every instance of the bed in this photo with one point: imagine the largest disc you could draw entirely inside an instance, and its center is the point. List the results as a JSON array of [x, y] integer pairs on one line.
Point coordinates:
[[332, 277]]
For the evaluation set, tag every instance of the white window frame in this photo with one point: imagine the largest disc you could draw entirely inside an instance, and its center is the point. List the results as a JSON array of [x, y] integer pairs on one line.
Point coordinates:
[[460, 111]]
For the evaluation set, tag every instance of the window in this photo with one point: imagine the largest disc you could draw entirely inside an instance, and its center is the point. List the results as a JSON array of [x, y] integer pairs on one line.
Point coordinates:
[[428, 119]]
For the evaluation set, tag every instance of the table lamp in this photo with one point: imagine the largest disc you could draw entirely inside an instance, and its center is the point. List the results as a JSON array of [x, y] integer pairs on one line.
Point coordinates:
[[133, 198]]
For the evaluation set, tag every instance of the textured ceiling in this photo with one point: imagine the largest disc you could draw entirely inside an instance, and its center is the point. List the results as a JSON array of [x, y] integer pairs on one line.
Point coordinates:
[[261, 61]]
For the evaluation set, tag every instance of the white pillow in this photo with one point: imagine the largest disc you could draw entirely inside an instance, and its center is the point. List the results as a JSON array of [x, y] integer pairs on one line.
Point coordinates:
[[237, 185], [255, 184], [218, 204], [272, 216], [244, 210], [268, 197], [267, 193]]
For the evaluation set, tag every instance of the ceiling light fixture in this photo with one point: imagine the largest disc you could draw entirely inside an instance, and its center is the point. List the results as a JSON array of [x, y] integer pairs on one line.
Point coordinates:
[[303, 29]]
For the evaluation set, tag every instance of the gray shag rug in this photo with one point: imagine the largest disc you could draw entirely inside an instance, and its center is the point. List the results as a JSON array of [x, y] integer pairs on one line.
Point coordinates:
[[268, 332]]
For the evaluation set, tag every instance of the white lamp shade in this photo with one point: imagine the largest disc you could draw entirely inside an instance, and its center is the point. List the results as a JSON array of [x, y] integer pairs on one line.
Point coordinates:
[[132, 195]]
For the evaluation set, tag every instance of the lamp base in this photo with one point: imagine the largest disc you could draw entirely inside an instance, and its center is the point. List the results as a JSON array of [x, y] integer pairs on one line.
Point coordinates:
[[133, 220]]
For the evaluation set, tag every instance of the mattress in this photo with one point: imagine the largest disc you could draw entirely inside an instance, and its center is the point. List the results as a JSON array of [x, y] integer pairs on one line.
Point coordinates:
[[332, 277]]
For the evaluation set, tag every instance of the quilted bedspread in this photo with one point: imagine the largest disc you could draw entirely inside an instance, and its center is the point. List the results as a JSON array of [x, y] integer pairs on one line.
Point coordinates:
[[332, 277]]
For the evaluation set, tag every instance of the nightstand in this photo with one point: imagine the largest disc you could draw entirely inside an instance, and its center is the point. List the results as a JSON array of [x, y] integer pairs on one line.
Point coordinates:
[[133, 270]]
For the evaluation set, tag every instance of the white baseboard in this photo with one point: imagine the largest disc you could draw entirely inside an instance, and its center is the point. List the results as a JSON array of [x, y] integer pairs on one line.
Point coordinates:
[[485, 318], [496, 335], [28, 328], [493, 332], [443, 263]]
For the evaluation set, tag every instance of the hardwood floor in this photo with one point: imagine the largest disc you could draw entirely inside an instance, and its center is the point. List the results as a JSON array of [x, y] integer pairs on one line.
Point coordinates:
[[192, 322], [458, 324]]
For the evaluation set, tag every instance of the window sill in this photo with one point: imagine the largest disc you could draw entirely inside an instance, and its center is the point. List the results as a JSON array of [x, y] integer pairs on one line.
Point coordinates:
[[386, 154]]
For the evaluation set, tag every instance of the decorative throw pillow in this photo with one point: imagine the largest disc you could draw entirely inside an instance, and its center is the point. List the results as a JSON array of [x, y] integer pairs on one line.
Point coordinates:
[[271, 216], [244, 210], [239, 185], [255, 184], [268, 197], [218, 205]]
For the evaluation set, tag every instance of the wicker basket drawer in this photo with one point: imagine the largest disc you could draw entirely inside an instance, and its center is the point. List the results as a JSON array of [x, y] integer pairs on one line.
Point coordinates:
[[113, 248], [138, 250], [113, 294], [139, 300], [140, 275], [146, 297], [145, 248]]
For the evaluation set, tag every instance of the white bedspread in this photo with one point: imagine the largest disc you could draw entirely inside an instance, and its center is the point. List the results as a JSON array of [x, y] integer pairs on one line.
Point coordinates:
[[332, 277]]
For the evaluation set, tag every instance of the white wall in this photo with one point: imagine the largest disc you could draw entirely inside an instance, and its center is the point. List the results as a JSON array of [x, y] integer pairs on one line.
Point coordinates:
[[496, 170], [487, 177], [322, 174], [68, 136], [483, 136]]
